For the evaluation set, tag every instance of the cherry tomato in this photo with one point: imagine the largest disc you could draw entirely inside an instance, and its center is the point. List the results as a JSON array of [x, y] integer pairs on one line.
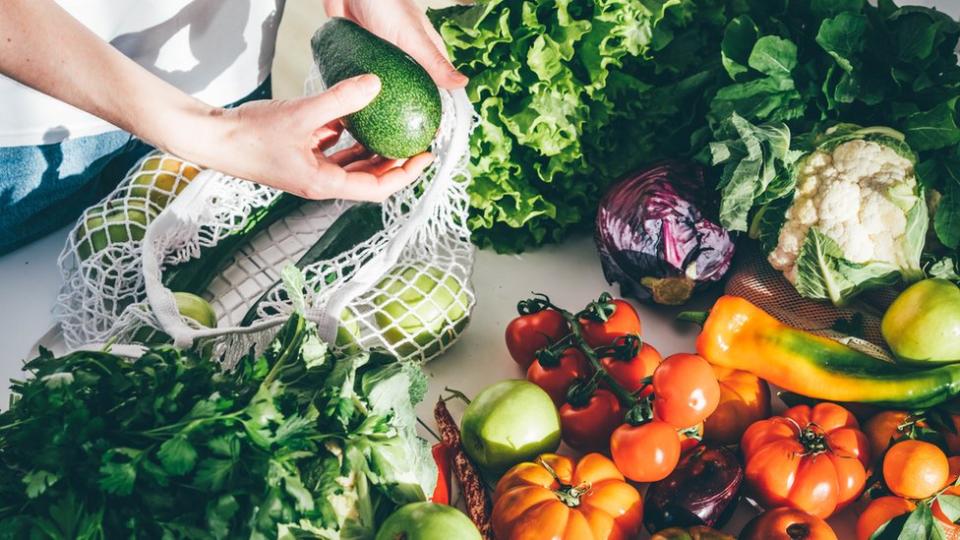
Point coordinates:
[[623, 321], [685, 390], [556, 380], [527, 334], [645, 453], [589, 427], [631, 373]]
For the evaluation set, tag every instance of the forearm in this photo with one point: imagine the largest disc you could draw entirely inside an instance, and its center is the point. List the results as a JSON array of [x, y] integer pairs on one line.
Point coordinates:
[[44, 47]]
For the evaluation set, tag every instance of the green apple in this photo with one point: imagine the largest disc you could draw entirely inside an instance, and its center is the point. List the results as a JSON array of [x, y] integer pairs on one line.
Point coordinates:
[[420, 308], [348, 332], [428, 521], [190, 306], [195, 308], [114, 222], [509, 422], [923, 324]]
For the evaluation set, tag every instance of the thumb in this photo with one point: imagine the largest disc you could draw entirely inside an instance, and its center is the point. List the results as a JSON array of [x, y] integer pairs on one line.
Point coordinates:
[[346, 97]]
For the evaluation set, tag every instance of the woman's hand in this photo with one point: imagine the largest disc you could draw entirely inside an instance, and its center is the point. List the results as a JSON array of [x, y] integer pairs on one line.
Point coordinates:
[[404, 24], [281, 143]]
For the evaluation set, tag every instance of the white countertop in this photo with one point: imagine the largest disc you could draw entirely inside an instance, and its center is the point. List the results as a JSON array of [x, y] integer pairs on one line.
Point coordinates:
[[569, 273]]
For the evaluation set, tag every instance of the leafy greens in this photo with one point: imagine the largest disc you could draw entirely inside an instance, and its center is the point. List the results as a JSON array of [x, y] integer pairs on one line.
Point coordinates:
[[572, 94], [298, 442]]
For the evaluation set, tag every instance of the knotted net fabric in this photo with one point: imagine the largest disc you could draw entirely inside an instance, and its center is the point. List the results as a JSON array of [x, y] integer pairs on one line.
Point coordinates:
[[405, 289]]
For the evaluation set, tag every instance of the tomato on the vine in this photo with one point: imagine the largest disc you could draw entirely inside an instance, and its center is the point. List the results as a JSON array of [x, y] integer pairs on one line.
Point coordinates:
[[685, 390], [632, 372], [618, 319], [589, 427], [647, 452], [529, 333], [556, 379]]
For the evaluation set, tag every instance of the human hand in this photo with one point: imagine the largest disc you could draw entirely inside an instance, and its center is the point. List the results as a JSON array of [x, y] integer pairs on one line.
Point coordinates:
[[402, 23], [281, 143]]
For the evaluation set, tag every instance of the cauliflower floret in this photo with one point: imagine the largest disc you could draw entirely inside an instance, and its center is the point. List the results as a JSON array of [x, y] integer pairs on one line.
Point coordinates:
[[845, 195]]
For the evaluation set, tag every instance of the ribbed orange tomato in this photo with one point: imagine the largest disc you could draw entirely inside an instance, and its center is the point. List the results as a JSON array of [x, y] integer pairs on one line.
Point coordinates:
[[553, 498], [812, 459], [744, 399]]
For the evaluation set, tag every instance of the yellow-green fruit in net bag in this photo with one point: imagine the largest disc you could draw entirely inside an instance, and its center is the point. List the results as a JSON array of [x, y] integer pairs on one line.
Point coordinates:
[[114, 222], [348, 333], [190, 306], [420, 308], [161, 178]]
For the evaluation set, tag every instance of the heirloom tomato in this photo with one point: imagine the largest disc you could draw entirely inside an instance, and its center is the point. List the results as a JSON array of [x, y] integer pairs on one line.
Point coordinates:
[[812, 458]]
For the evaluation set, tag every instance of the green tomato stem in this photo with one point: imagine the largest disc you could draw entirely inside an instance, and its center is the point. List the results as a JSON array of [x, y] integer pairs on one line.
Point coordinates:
[[576, 330]]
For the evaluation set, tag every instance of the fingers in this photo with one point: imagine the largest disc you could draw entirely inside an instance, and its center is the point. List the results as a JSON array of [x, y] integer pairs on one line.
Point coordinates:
[[347, 156], [426, 47], [347, 96], [376, 184]]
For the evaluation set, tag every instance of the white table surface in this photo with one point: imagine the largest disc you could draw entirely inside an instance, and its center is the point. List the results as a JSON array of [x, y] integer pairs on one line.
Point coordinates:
[[569, 273]]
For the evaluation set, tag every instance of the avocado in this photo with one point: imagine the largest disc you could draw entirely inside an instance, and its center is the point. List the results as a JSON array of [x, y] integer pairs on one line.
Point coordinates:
[[404, 117]]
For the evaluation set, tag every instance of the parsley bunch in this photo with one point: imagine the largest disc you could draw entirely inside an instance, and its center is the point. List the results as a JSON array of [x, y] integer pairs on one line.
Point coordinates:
[[298, 442]]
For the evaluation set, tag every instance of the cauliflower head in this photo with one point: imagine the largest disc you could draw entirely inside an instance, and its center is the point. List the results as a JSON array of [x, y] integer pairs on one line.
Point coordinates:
[[837, 212], [850, 195], [857, 218]]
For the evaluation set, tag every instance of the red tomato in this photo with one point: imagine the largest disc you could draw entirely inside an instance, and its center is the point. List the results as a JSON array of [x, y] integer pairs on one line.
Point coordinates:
[[685, 390], [631, 373], [589, 427], [645, 453], [623, 321], [527, 334], [811, 459], [556, 380]]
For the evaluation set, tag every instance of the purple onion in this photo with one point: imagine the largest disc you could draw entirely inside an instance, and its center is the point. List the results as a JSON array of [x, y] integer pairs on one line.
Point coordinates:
[[702, 490], [654, 239]]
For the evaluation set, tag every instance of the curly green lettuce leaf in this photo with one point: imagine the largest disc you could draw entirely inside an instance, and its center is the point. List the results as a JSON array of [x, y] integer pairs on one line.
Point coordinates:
[[565, 94]]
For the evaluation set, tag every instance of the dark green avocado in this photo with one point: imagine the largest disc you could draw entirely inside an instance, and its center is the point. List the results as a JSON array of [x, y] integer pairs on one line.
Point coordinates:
[[403, 119]]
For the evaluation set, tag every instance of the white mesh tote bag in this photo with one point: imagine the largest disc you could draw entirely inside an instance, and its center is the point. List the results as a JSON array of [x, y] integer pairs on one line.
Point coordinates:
[[393, 276]]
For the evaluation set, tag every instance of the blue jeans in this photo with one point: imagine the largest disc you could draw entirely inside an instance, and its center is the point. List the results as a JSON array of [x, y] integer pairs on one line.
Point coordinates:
[[42, 188]]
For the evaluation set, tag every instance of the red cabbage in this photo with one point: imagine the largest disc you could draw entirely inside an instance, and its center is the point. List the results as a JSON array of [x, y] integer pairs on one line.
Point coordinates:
[[653, 236]]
